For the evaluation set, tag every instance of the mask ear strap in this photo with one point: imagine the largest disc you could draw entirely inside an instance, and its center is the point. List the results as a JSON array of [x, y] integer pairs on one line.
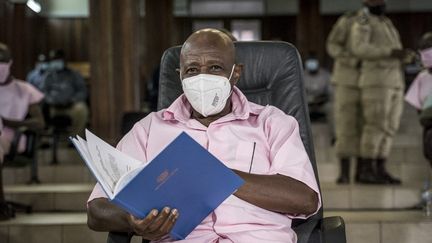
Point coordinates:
[[232, 71]]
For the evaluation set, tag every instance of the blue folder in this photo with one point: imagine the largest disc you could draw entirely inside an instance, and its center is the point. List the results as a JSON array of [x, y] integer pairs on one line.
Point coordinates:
[[183, 176]]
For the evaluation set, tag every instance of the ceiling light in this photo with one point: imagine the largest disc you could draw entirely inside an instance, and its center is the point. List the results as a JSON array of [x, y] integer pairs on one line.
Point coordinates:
[[33, 5]]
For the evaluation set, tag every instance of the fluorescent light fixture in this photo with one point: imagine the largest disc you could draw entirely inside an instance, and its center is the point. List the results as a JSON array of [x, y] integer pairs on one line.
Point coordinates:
[[33, 5]]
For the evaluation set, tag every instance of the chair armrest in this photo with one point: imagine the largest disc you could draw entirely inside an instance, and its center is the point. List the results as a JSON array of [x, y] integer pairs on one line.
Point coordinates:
[[121, 237], [118, 237], [13, 151], [333, 230]]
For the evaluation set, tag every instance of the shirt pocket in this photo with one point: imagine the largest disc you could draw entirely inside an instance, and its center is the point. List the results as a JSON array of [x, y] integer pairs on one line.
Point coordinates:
[[249, 158]]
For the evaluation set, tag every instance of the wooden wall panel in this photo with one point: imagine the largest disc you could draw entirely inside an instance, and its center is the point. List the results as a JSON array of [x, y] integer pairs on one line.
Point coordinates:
[[18, 25], [71, 35], [114, 65]]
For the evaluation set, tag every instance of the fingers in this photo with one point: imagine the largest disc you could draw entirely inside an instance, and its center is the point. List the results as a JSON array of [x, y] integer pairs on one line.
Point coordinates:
[[170, 221], [140, 226], [160, 219], [155, 225]]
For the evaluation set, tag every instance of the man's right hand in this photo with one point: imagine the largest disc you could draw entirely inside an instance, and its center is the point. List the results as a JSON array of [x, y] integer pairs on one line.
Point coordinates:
[[155, 225], [398, 53], [406, 55]]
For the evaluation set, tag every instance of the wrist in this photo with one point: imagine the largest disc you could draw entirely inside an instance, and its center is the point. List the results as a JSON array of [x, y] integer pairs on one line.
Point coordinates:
[[130, 225]]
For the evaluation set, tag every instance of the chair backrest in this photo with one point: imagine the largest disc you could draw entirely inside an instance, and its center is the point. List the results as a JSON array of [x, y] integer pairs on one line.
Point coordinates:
[[272, 74]]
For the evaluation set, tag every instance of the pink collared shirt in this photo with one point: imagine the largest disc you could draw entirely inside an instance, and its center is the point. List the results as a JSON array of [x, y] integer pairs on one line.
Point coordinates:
[[278, 150], [15, 100], [420, 88]]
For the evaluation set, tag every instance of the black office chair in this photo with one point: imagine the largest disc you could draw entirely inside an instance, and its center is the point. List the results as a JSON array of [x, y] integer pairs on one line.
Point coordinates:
[[272, 75], [26, 158], [57, 125], [129, 119]]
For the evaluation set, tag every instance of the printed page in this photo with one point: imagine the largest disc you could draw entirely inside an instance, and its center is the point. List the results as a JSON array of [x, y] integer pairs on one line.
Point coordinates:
[[108, 162], [125, 179], [81, 146]]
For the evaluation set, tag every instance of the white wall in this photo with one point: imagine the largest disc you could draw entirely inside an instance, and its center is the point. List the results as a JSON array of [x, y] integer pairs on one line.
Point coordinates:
[[340, 6], [64, 8]]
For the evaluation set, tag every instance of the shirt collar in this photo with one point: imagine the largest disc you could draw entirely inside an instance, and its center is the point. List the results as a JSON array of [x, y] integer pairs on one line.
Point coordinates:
[[181, 109]]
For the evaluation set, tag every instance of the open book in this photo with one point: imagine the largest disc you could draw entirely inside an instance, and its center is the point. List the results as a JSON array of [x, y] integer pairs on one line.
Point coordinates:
[[184, 175]]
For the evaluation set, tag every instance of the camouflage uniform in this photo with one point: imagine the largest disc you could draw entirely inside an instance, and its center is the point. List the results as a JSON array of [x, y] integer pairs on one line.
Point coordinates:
[[347, 108], [372, 39]]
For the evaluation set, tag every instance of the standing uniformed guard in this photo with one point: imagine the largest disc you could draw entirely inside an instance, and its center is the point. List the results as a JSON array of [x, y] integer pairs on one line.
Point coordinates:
[[376, 43], [347, 108]]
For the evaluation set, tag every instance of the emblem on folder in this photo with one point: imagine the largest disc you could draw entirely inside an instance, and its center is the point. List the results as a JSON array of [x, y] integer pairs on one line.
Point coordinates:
[[162, 177]]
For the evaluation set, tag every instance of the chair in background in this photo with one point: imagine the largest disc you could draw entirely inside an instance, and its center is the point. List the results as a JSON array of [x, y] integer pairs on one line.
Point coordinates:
[[129, 119], [272, 75], [58, 125], [26, 158]]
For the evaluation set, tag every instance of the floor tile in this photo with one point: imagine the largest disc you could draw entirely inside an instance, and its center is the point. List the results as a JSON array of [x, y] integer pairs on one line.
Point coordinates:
[[362, 233], [35, 234], [407, 232], [82, 234]]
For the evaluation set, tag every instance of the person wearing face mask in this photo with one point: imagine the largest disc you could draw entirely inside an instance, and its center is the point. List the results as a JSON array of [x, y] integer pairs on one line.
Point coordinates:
[[346, 99], [419, 94], [376, 43], [317, 86], [37, 75], [19, 108], [65, 92], [279, 187]]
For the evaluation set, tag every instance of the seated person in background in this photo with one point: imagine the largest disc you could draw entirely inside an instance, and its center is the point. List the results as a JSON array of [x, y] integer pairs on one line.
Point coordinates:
[[19, 108], [5, 211], [280, 184], [317, 86], [37, 75], [421, 89], [66, 92]]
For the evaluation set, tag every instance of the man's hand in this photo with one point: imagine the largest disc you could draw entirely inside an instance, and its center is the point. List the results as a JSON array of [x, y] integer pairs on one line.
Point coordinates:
[[398, 53], [155, 225], [405, 55]]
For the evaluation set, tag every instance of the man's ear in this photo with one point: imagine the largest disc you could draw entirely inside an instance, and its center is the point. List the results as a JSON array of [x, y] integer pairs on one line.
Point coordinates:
[[238, 69], [178, 72]]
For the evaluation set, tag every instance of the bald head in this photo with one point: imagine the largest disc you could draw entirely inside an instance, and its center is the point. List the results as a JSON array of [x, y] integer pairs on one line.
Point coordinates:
[[209, 38], [4, 53], [207, 41]]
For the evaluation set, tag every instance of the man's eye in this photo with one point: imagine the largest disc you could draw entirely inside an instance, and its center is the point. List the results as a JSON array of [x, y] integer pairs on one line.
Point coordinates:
[[216, 68], [192, 70]]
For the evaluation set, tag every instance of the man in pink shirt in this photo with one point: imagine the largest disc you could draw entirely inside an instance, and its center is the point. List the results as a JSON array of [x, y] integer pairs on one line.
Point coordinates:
[[419, 93], [260, 143], [19, 108], [421, 87]]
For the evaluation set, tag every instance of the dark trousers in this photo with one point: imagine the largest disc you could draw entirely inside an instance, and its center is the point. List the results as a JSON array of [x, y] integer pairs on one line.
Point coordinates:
[[427, 143]]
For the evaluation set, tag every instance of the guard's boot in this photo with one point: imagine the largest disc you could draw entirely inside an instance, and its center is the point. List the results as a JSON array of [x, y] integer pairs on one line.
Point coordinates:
[[383, 175], [365, 173], [344, 177]]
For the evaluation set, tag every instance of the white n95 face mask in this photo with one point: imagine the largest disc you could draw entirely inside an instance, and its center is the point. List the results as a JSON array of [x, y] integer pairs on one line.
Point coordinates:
[[207, 93]]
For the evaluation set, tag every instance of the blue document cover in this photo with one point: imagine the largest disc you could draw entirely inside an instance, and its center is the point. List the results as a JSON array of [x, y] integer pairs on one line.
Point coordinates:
[[183, 176]]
